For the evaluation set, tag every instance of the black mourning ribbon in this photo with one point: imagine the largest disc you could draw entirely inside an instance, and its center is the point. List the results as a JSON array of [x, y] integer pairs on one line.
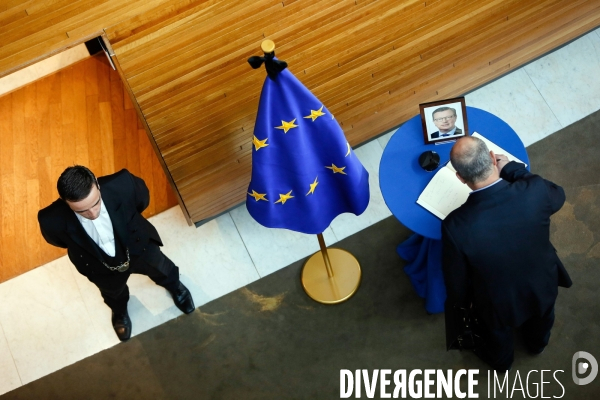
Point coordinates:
[[272, 65]]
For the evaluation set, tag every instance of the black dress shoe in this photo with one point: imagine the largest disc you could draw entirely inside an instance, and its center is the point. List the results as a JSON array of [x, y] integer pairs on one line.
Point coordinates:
[[183, 299], [537, 351], [122, 325], [503, 369]]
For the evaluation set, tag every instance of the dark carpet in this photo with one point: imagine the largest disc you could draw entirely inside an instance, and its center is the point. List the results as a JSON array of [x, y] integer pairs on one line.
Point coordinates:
[[270, 341]]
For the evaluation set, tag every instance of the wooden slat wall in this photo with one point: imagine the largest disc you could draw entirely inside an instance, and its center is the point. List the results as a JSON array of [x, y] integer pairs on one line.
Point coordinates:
[[31, 30], [79, 115], [371, 63]]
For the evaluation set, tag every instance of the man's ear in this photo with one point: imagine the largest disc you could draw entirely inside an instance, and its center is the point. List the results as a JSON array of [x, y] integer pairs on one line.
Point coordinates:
[[493, 158], [460, 178]]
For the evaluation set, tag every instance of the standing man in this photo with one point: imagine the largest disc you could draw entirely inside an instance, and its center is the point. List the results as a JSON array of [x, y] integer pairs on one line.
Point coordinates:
[[497, 255], [108, 239], [444, 118]]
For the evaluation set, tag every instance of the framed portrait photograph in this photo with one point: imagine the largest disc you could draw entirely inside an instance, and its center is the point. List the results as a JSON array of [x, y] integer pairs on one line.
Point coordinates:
[[444, 120]]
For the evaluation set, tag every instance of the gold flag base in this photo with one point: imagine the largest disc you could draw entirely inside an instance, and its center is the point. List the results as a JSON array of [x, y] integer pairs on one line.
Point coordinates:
[[331, 289]]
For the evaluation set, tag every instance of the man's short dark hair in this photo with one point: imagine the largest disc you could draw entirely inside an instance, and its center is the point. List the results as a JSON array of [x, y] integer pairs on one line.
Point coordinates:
[[474, 163], [442, 109], [75, 183]]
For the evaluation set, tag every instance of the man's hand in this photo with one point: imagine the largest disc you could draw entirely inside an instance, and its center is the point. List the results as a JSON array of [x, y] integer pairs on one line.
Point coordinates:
[[501, 161]]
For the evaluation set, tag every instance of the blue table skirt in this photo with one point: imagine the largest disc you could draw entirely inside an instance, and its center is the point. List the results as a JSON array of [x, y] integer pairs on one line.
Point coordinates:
[[424, 258]]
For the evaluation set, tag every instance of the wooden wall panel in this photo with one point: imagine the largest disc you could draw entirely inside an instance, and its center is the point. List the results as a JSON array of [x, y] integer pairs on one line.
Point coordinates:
[[79, 115], [370, 62], [33, 30], [184, 64]]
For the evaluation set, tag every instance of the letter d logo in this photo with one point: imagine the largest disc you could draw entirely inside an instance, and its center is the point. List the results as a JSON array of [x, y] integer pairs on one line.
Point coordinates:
[[583, 367]]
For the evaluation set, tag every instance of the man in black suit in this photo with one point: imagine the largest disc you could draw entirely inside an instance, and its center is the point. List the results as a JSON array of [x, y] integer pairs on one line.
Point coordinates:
[[497, 255], [108, 238], [444, 118]]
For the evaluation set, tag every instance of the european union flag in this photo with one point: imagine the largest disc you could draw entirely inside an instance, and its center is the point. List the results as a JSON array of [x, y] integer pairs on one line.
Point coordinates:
[[304, 172]]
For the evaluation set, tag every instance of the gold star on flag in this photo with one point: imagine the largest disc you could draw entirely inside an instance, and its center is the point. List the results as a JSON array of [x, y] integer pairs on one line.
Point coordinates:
[[316, 114], [259, 144], [258, 196], [284, 197], [312, 187], [286, 126], [337, 170]]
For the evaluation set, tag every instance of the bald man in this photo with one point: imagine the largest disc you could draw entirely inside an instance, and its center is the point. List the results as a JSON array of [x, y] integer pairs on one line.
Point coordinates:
[[497, 255]]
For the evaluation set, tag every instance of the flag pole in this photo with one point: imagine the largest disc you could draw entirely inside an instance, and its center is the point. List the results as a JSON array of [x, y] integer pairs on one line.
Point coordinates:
[[325, 255], [330, 276], [267, 46]]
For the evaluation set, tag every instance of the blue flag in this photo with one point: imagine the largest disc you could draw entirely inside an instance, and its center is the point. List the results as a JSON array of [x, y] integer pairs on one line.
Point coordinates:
[[304, 172]]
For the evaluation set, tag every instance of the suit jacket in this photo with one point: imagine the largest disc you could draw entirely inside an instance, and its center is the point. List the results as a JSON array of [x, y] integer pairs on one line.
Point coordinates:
[[436, 135], [125, 197], [497, 253]]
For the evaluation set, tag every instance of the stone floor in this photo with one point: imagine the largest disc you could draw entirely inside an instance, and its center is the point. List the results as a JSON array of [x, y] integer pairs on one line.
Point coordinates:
[[268, 340]]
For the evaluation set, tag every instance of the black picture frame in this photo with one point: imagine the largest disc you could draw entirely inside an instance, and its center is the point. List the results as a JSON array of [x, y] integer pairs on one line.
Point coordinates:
[[434, 129]]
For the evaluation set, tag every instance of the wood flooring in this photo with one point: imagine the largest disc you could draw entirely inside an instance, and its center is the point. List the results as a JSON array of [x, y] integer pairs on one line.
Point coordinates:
[[79, 115]]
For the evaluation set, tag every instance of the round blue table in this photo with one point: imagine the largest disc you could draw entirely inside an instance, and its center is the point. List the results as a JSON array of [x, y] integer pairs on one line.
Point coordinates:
[[402, 180]]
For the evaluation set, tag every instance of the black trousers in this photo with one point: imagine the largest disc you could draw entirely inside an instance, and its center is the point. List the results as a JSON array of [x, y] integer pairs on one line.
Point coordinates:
[[498, 348], [154, 265]]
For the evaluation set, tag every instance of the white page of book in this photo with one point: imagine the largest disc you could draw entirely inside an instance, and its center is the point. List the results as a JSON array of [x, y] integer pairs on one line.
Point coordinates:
[[496, 149], [444, 193]]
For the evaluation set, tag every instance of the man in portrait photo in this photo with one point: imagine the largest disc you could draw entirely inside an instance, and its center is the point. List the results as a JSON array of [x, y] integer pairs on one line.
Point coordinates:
[[444, 119]]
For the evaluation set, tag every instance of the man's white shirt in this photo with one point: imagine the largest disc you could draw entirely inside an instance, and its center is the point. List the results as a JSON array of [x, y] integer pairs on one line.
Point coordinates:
[[449, 133], [488, 186], [100, 230]]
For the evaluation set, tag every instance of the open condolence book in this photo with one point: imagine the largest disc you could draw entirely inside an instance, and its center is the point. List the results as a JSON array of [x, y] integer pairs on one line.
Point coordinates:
[[445, 193]]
